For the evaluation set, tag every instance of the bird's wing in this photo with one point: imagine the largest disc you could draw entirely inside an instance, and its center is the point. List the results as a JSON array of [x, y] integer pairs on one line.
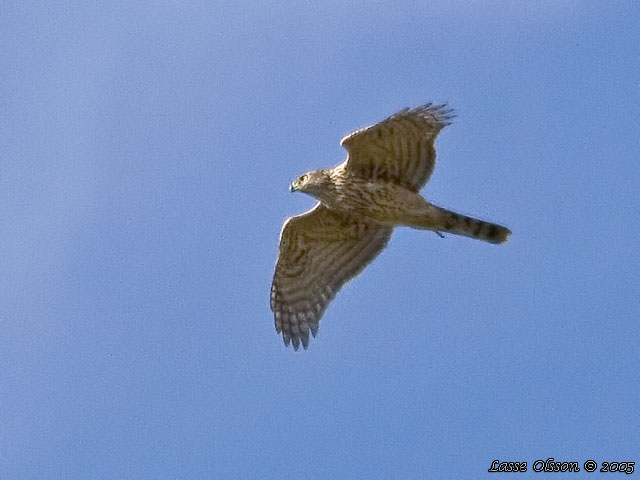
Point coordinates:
[[400, 148], [320, 251]]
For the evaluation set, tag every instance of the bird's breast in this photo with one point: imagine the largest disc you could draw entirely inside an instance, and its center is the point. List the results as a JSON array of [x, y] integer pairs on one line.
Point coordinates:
[[378, 202]]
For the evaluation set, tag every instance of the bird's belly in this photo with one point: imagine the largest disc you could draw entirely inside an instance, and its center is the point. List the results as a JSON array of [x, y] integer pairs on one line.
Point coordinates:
[[381, 203]]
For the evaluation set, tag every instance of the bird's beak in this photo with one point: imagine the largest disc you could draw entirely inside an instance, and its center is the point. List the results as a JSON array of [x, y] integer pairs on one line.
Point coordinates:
[[292, 188]]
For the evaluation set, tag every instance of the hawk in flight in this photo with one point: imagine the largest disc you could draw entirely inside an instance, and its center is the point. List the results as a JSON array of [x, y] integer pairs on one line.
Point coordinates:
[[359, 203]]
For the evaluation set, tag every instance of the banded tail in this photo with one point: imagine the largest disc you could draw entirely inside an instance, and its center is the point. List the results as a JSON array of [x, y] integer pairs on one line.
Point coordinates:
[[470, 227]]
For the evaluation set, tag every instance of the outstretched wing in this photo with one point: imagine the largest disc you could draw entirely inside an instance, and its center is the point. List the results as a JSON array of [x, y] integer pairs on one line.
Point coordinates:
[[399, 149], [320, 251]]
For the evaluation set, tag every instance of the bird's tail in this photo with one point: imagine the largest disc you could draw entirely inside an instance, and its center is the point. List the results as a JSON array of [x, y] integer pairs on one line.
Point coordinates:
[[470, 227]]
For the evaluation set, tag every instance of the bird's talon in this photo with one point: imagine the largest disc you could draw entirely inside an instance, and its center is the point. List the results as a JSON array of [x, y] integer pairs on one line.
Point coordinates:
[[439, 234]]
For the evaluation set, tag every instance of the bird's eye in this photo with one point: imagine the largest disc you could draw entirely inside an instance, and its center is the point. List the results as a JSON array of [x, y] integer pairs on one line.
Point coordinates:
[[304, 178]]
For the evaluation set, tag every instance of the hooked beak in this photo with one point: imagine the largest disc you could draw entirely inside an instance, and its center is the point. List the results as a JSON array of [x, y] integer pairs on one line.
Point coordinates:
[[293, 188]]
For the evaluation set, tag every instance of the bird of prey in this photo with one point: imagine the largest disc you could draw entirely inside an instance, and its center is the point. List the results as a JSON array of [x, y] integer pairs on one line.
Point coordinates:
[[359, 203]]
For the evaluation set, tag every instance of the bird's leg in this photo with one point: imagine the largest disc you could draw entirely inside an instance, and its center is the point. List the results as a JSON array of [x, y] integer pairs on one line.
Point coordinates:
[[439, 234]]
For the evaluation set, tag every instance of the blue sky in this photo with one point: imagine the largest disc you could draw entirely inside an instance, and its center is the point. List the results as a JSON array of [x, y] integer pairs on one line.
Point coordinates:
[[146, 151]]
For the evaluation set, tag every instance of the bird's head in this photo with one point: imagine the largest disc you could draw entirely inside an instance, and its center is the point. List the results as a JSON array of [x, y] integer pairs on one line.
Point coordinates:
[[313, 183]]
